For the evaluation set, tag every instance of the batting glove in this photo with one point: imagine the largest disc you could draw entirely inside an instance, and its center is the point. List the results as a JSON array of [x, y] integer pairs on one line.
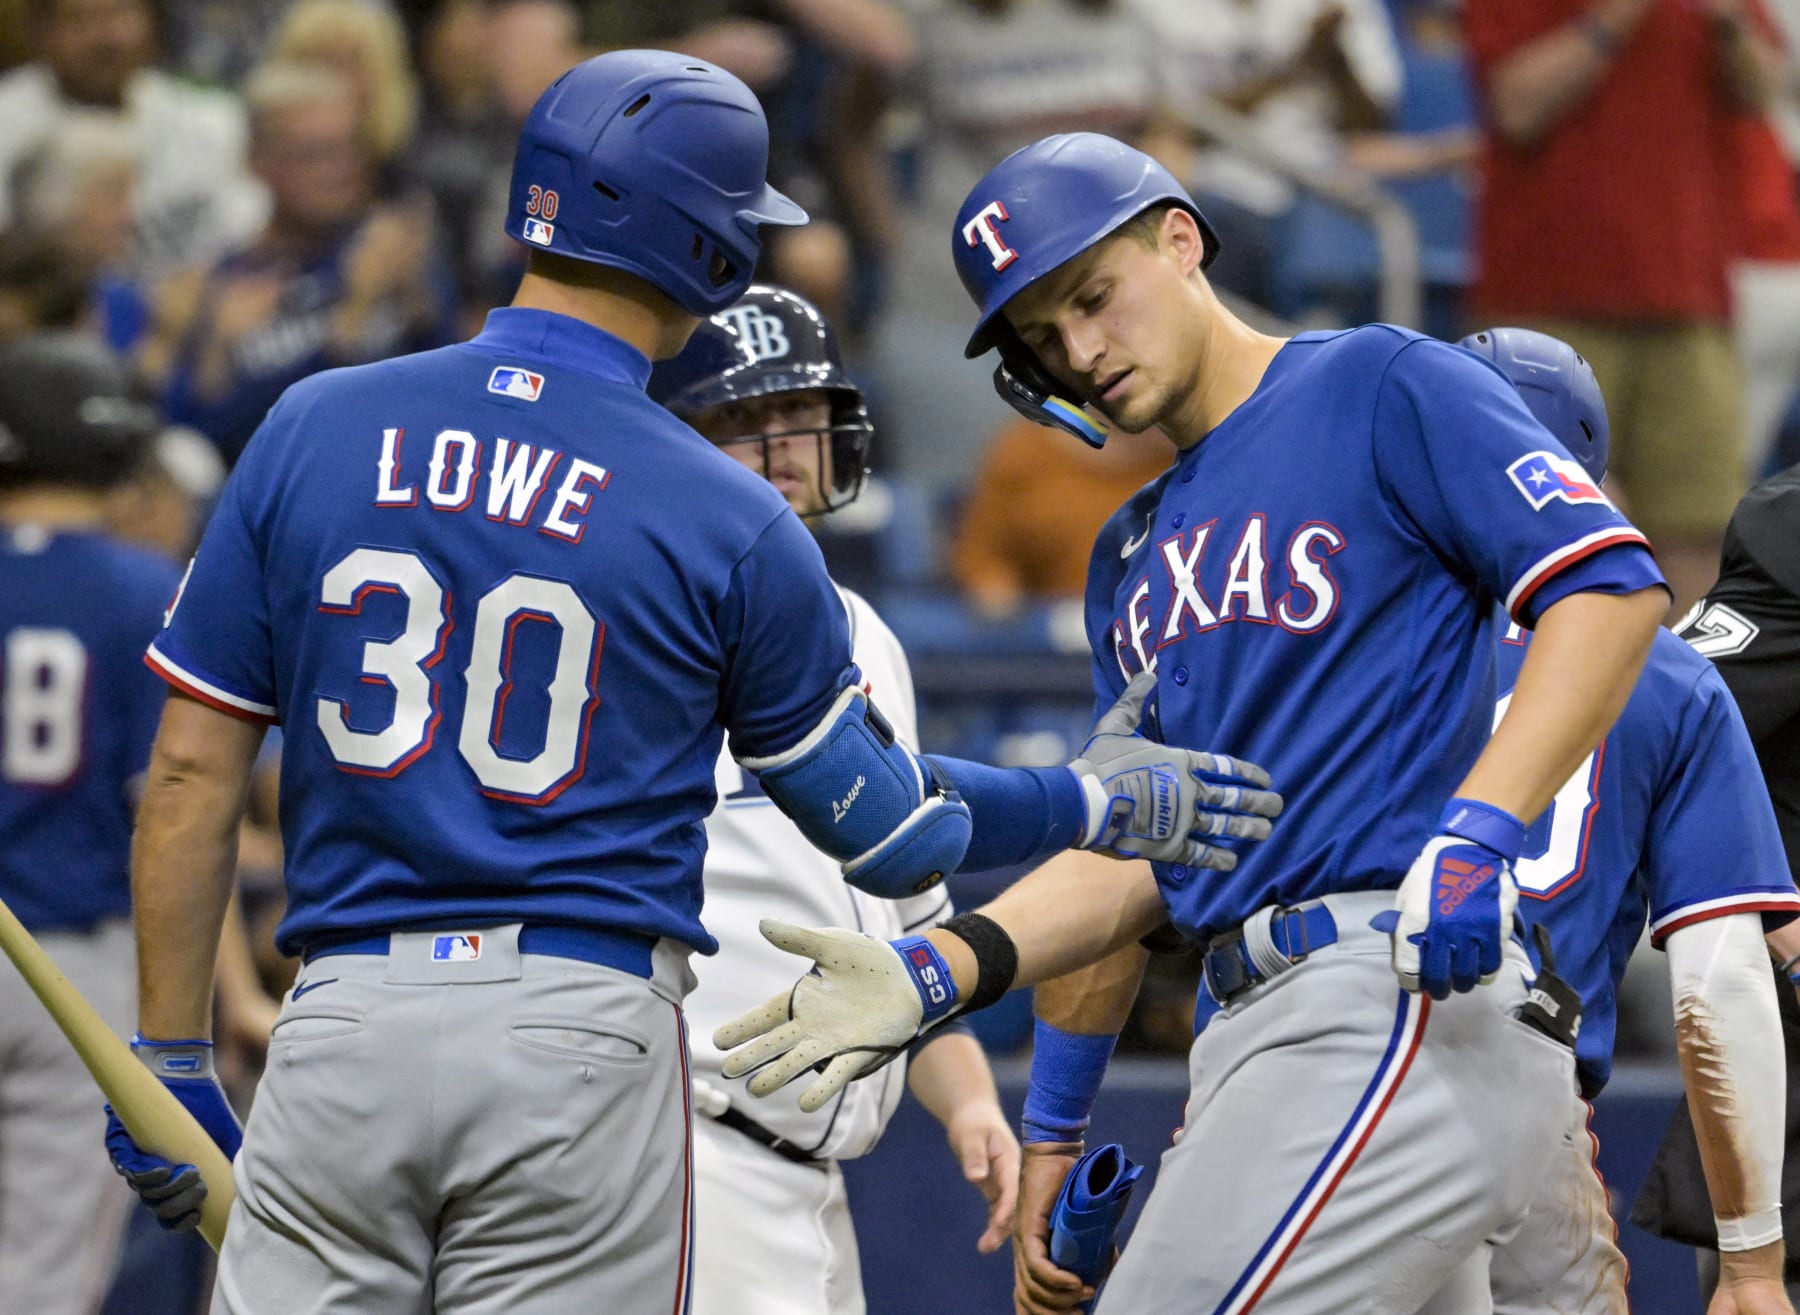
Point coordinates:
[[1147, 800], [862, 1004], [174, 1192], [1455, 908]]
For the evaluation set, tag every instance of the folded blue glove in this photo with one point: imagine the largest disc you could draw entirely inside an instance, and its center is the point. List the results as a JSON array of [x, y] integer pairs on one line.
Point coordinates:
[[173, 1192], [1088, 1211]]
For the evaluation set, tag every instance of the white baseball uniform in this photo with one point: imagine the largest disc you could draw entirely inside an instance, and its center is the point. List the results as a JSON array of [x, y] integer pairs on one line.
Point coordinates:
[[772, 1232]]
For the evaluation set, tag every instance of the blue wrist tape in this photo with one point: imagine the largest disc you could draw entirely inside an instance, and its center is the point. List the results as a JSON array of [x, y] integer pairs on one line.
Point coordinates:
[[930, 976], [1486, 825], [1066, 1071]]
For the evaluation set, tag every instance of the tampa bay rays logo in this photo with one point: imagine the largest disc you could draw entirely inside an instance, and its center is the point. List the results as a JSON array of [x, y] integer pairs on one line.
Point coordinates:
[[763, 335], [980, 230]]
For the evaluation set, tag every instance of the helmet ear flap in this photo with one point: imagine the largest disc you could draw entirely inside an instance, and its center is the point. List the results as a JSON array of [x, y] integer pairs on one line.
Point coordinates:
[[1025, 385]]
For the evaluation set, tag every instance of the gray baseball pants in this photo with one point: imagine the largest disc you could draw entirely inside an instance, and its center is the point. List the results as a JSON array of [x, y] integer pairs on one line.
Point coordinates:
[[509, 1135]]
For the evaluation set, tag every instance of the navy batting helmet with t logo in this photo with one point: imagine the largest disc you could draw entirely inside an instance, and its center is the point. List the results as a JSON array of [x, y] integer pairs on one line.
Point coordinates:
[[1557, 385], [651, 162], [1036, 210], [772, 341]]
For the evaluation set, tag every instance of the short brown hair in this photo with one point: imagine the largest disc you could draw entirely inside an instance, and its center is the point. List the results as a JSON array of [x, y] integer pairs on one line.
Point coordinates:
[[1145, 226]]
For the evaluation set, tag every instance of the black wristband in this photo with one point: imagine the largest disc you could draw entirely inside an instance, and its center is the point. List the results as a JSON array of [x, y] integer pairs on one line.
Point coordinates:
[[996, 958], [1788, 965]]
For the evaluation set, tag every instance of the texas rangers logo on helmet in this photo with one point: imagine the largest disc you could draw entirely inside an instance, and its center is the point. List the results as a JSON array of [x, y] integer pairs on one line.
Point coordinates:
[[536, 230], [513, 381], [763, 335], [1543, 477], [459, 947], [981, 230]]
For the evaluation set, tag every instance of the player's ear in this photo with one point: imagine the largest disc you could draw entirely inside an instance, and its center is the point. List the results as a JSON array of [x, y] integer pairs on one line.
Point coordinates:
[[1181, 238]]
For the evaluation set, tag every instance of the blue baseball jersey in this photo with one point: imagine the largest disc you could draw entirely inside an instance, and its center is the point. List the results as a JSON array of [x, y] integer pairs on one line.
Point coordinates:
[[504, 608], [1667, 819], [1314, 585], [78, 713]]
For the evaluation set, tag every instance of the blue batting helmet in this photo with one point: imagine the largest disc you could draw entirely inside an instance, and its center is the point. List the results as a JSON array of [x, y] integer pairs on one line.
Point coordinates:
[[1036, 210], [1556, 384], [651, 162], [773, 341]]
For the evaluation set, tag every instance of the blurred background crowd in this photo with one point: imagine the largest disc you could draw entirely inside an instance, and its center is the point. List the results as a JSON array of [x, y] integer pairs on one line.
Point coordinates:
[[235, 194]]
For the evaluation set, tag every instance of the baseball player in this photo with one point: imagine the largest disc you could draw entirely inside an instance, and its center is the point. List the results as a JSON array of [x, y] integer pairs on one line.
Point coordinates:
[[77, 714], [773, 1232], [1316, 577], [1667, 820], [505, 609]]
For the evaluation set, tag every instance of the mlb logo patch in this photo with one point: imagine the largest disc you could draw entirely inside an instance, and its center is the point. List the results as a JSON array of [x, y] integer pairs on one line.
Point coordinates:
[[1544, 477], [457, 948], [511, 381], [537, 231]]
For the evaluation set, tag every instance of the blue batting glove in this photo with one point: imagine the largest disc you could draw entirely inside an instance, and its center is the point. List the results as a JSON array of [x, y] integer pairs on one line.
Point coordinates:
[[1088, 1210], [173, 1192], [1455, 907]]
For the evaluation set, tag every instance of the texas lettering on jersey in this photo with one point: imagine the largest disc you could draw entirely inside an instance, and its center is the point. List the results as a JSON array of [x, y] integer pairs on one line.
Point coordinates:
[[1194, 582]]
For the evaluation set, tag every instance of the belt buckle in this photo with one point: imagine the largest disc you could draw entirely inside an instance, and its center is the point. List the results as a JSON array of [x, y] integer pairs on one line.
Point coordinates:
[[1290, 919]]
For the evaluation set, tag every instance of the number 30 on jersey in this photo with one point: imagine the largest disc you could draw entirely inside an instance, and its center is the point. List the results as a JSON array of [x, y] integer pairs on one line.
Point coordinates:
[[407, 664]]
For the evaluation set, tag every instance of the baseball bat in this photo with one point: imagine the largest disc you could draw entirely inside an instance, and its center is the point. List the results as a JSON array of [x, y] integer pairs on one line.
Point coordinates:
[[154, 1118]]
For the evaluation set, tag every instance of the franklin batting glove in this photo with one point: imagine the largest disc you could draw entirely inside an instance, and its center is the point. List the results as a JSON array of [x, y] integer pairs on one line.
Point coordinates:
[[1455, 907], [1147, 800]]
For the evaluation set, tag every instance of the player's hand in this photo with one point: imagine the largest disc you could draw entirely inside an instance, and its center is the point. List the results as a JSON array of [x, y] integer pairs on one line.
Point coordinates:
[[1039, 1287], [1454, 910], [1147, 800], [173, 1192], [864, 1001], [984, 1145]]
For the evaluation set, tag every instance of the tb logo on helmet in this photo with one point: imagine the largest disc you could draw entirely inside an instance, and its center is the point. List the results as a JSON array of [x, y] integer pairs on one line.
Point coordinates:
[[763, 336], [981, 229]]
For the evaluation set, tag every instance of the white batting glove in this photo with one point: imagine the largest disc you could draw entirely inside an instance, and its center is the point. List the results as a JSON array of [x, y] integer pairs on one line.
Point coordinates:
[[1149, 800], [864, 1001]]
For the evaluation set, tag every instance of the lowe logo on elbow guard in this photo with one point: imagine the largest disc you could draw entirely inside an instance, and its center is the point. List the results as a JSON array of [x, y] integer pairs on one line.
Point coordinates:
[[840, 808]]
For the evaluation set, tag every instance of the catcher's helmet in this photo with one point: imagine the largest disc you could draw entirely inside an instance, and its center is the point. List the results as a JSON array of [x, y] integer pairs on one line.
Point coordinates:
[[68, 414], [772, 341], [1036, 210], [651, 162], [1556, 384]]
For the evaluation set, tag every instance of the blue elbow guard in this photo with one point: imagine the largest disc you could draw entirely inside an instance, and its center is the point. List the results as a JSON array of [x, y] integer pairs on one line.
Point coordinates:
[[1088, 1211], [896, 826]]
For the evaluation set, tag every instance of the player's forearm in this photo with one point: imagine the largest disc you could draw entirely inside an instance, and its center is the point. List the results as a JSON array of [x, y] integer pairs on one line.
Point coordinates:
[[183, 859], [1075, 909], [1728, 1037], [1095, 1000], [1580, 670], [949, 1072]]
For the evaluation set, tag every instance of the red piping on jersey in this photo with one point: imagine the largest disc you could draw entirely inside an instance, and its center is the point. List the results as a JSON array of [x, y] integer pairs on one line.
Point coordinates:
[[201, 696], [1557, 567], [1751, 904]]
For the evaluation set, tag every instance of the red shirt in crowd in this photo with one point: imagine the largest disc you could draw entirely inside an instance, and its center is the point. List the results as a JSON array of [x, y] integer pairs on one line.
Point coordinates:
[[1771, 217], [1623, 210]]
